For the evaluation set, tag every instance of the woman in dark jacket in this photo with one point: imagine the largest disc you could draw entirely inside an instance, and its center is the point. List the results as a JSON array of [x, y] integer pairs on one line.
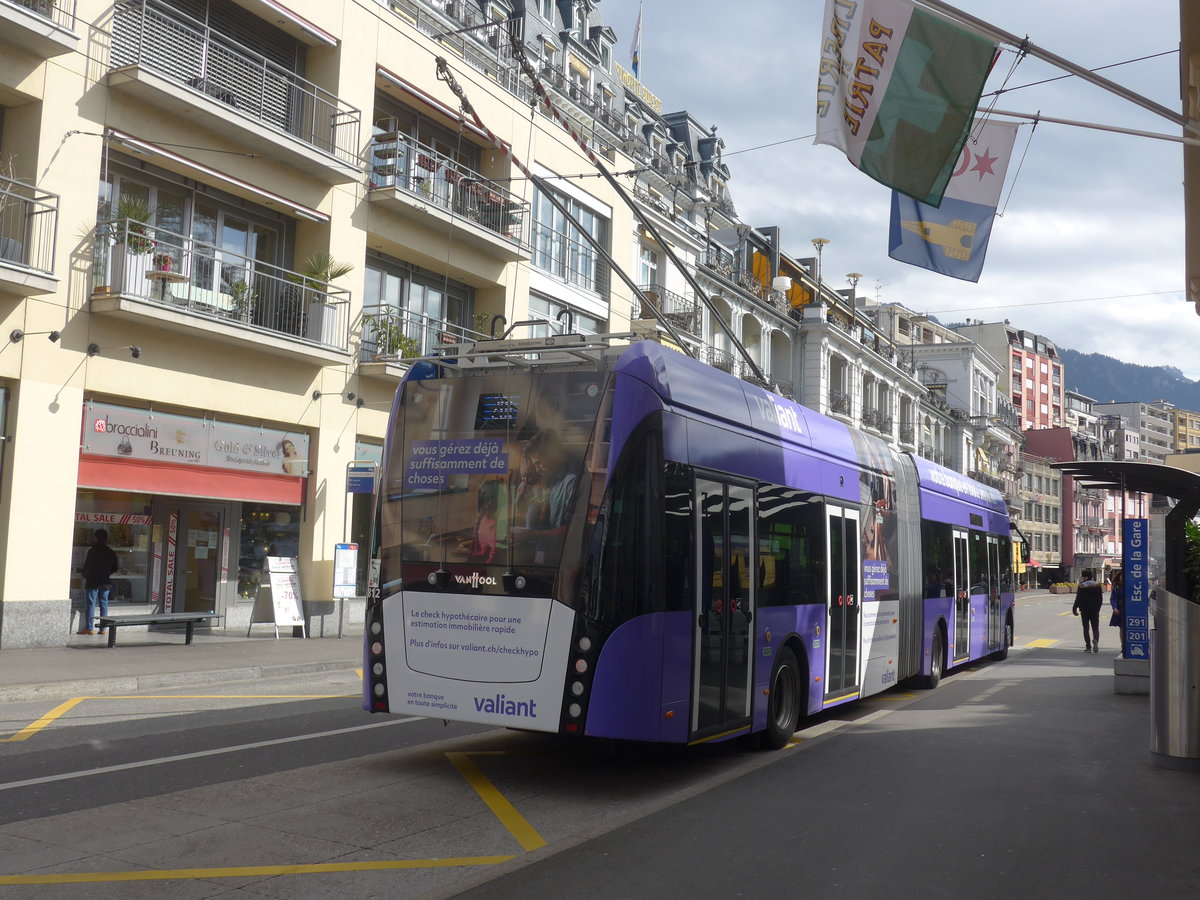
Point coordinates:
[[1089, 597], [1117, 601]]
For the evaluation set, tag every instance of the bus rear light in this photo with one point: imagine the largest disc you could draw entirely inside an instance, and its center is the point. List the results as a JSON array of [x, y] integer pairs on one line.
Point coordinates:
[[379, 689], [581, 666], [572, 727], [376, 648], [377, 669], [577, 688], [585, 644], [376, 627], [379, 704], [669, 714], [574, 710]]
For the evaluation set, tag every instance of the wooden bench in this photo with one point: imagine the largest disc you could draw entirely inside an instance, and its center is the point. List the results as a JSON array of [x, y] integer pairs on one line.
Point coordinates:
[[186, 618]]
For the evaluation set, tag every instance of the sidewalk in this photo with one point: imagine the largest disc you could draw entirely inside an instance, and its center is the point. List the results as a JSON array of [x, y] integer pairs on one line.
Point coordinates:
[[144, 660]]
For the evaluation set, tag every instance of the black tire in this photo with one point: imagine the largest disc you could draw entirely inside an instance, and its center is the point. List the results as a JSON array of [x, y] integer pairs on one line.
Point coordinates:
[[1006, 642], [937, 661], [783, 702]]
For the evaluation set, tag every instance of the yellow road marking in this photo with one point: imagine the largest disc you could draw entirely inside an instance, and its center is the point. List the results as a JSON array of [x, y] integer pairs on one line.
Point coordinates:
[[251, 871], [516, 824], [1043, 642], [1067, 613], [34, 727]]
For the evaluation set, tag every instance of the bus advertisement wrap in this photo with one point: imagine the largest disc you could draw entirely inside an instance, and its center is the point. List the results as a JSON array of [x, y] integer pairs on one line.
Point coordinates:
[[483, 664]]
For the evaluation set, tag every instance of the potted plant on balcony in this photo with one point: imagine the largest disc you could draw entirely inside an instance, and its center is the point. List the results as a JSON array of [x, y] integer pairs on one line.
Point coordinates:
[[387, 330], [319, 270], [242, 299], [127, 237]]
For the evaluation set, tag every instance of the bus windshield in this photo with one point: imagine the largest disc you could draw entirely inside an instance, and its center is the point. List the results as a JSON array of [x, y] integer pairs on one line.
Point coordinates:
[[484, 470]]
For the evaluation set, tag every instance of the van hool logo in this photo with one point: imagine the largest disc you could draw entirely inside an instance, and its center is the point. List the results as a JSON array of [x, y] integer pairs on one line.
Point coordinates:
[[475, 579]]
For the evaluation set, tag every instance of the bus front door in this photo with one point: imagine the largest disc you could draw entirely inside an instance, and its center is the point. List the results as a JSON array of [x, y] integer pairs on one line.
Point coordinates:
[[962, 600], [725, 607], [843, 605]]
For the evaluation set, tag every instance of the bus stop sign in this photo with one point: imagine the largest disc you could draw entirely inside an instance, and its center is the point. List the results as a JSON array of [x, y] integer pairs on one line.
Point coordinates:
[[360, 477]]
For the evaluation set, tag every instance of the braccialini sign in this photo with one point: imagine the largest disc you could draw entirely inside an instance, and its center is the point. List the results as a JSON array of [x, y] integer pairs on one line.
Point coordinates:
[[141, 434]]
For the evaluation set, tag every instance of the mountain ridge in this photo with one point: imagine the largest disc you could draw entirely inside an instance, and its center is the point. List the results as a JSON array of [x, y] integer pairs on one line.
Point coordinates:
[[1108, 380]]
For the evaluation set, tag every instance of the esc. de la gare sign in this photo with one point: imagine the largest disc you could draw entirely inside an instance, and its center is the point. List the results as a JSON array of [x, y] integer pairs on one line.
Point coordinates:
[[126, 433]]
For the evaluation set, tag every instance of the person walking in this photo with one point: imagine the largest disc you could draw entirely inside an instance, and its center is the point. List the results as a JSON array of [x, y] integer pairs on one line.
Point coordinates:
[[1089, 597], [1116, 600], [98, 568]]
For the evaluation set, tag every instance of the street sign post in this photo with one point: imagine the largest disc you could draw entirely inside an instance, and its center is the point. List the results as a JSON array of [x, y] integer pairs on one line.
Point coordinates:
[[1137, 588]]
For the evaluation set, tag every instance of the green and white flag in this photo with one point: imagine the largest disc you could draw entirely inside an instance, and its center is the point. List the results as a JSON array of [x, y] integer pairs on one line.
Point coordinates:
[[897, 91]]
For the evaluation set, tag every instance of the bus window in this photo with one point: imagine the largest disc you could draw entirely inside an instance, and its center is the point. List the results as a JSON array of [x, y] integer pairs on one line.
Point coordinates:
[[677, 537], [938, 561], [978, 563], [790, 547]]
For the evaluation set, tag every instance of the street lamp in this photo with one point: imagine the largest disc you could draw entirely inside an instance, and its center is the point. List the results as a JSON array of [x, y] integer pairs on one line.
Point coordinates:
[[853, 278], [819, 245]]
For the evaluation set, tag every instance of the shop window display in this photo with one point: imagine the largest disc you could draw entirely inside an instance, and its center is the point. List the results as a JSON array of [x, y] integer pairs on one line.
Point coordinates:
[[266, 530], [126, 517]]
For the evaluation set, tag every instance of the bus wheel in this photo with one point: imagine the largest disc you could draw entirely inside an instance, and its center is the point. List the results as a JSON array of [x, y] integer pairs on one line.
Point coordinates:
[[783, 710], [1006, 639], [937, 661]]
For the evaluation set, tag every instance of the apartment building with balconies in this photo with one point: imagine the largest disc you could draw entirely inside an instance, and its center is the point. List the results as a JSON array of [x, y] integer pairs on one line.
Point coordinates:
[[223, 226], [1185, 430], [1152, 423], [1033, 375]]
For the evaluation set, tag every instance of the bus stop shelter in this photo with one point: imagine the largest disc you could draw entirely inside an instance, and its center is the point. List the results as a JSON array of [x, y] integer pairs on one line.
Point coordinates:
[[1175, 618]]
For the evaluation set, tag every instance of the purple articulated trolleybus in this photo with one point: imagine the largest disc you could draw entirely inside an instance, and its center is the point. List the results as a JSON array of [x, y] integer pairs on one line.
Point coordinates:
[[620, 541]]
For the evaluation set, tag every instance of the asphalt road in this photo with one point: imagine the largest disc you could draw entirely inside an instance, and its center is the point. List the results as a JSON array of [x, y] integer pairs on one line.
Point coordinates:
[[989, 785]]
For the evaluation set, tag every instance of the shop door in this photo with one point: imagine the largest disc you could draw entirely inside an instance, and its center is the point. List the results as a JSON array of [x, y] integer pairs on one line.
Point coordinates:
[[724, 607], [844, 612], [196, 571]]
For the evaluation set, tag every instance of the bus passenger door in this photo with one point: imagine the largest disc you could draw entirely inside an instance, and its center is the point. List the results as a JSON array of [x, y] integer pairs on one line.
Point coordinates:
[[844, 604], [993, 593], [725, 607], [962, 599]]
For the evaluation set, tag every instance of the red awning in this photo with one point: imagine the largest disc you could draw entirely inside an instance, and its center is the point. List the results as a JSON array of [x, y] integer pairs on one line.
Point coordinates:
[[182, 480], [1034, 563]]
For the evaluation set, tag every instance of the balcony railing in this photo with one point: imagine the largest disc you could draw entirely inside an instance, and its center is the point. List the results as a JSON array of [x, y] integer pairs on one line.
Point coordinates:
[[153, 35], [877, 419], [28, 222], [682, 312], [718, 259], [782, 387], [398, 161], [839, 402], [134, 259], [404, 334], [60, 12], [720, 359]]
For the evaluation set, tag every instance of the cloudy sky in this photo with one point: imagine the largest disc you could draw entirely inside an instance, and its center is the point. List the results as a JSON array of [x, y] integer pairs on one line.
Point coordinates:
[[1089, 248]]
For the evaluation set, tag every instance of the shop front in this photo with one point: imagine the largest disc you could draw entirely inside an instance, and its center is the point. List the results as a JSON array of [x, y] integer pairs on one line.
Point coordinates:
[[191, 505]]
